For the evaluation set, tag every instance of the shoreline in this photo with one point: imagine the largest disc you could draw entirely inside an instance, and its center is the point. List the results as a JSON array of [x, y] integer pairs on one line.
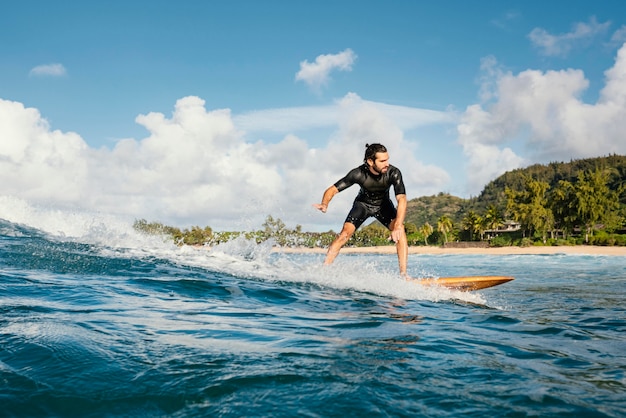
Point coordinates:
[[435, 250]]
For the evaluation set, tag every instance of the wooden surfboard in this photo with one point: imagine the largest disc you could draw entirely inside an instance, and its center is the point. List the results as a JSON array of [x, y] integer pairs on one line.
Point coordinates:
[[466, 283]]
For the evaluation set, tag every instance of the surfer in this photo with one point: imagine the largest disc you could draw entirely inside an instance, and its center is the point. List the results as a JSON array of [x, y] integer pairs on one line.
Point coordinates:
[[375, 176]]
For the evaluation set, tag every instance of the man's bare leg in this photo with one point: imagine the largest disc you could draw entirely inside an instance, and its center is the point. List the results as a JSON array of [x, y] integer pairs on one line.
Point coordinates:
[[402, 247], [343, 237], [403, 255]]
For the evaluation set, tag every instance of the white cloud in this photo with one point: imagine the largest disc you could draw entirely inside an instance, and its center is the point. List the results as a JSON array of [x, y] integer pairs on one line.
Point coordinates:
[[293, 119], [542, 117], [317, 74], [503, 21], [289, 119], [561, 45], [36, 162], [614, 92], [198, 167], [619, 36], [53, 70]]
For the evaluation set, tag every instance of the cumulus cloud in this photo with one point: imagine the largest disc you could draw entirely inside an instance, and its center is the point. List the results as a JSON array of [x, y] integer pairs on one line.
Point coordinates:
[[52, 70], [201, 167], [37, 163], [317, 74], [540, 117], [561, 45]]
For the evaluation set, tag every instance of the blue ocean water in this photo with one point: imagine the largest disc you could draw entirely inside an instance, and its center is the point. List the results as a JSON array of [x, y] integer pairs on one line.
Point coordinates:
[[97, 320]]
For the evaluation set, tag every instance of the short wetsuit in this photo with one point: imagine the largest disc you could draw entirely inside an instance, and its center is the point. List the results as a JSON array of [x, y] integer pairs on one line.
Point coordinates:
[[373, 198]]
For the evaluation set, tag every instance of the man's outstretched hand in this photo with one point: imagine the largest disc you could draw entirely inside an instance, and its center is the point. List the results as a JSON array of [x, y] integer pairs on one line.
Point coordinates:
[[321, 207]]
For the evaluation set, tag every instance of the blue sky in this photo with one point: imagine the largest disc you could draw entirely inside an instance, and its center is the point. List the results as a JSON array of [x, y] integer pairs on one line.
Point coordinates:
[[220, 113]]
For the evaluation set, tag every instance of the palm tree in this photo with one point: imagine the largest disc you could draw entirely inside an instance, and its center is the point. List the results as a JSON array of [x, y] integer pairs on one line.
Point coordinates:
[[472, 223], [427, 230], [493, 218], [444, 225]]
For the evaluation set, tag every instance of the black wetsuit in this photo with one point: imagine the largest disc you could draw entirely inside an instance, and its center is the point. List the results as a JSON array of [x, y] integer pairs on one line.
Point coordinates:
[[373, 198]]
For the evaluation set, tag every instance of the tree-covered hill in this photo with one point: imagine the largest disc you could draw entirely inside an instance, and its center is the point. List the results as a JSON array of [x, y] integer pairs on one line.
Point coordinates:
[[431, 208], [428, 209], [551, 173]]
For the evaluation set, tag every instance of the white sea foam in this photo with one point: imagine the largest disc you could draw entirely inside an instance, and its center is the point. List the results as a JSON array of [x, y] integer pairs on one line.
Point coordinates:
[[116, 237]]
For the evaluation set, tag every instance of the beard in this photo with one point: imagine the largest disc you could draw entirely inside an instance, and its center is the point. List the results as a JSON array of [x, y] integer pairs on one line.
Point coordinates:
[[379, 170]]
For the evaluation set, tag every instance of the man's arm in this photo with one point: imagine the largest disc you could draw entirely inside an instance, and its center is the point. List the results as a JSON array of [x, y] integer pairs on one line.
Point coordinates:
[[327, 197]]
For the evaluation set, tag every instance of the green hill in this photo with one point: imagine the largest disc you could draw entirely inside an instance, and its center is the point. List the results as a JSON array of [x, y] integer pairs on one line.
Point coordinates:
[[431, 208]]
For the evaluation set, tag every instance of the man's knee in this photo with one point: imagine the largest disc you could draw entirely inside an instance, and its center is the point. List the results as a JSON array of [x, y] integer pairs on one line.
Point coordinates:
[[344, 236], [347, 231]]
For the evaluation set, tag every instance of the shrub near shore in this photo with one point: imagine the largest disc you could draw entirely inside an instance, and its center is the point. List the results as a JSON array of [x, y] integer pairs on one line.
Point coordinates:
[[372, 235]]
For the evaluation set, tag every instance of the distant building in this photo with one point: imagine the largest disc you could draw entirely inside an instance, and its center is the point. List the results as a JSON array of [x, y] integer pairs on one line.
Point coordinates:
[[507, 226]]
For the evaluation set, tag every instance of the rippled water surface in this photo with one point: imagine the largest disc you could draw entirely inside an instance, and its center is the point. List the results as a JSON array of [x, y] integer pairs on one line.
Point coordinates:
[[142, 328]]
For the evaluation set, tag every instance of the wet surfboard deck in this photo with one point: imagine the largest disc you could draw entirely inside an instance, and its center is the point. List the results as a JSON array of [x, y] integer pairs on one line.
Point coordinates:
[[465, 283]]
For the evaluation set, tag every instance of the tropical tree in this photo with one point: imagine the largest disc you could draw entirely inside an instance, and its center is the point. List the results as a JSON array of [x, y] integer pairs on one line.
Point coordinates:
[[410, 228], [427, 231], [373, 234], [530, 207], [473, 223], [595, 201], [274, 228], [412, 233], [197, 235], [493, 218], [444, 225], [561, 201]]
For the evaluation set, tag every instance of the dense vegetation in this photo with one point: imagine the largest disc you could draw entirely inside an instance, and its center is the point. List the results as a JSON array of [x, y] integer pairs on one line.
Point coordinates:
[[583, 201]]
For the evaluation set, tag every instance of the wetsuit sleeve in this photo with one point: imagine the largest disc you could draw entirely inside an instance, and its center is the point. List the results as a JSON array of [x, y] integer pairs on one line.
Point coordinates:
[[398, 183], [351, 178]]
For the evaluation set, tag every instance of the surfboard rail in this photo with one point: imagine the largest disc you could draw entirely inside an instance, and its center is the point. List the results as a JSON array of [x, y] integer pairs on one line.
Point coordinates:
[[465, 283]]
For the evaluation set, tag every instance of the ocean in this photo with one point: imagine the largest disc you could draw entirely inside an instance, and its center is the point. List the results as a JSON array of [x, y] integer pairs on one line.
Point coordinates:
[[97, 320]]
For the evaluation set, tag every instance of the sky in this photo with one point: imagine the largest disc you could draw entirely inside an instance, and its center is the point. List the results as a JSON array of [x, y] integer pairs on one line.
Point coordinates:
[[220, 113]]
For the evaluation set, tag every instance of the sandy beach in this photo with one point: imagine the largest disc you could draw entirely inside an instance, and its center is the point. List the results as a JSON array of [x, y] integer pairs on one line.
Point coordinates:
[[434, 250]]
